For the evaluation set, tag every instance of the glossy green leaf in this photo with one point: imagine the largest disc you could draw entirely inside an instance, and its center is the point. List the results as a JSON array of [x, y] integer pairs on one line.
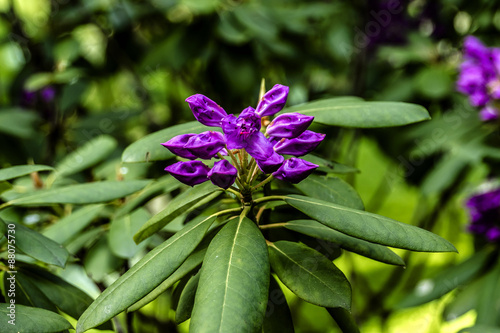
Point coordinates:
[[310, 275], [18, 122], [27, 292], [149, 148], [234, 281], [21, 170], [331, 189], [447, 280], [96, 192], [362, 114], [71, 225], [64, 295], [344, 320], [91, 153], [38, 246], [370, 227], [28, 319], [193, 261], [356, 245], [182, 203], [122, 231], [163, 185], [278, 317], [144, 276], [186, 300]]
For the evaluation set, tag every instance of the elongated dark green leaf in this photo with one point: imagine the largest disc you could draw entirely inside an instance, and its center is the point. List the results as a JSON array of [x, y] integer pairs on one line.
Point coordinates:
[[370, 227], [329, 166], [446, 280], [186, 300], [18, 122], [464, 300], [332, 189], [122, 231], [21, 170], [344, 320], [71, 225], [65, 296], [91, 153], [28, 319], [26, 292], [193, 261], [144, 276], [362, 114], [310, 275], [96, 192], [356, 245], [480, 329], [278, 317], [163, 185], [180, 204], [488, 306], [234, 281], [149, 148], [39, 247]]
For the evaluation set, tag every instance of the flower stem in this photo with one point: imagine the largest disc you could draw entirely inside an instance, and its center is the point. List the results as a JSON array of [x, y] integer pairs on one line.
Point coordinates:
[[227, 211], [274, 225], [234, 191], [262, 183], [235, 161]]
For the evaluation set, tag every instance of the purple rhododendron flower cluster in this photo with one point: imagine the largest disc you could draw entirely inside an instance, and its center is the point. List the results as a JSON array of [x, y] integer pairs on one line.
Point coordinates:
[[241, 136], [484, 210], [479, 77]]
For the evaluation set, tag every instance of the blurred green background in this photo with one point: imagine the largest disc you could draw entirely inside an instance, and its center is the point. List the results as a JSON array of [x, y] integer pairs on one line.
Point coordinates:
[[73, 70]]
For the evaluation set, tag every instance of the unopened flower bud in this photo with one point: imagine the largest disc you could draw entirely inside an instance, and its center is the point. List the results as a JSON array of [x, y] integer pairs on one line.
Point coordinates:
[[294, 170], [301, 145], [190, 173], [273, 101], [205, 145], [223, 174], [205, 110], [488, 113], [289, 125], [271, 164], [177, 143]]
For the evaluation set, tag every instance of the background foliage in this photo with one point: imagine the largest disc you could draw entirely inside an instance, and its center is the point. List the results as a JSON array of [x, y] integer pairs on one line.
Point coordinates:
[[120, 69]]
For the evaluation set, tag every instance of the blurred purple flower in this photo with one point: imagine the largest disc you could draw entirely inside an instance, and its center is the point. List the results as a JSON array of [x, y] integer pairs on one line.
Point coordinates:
[[48, 93], [190, 173], [484, 210], [488, 113]]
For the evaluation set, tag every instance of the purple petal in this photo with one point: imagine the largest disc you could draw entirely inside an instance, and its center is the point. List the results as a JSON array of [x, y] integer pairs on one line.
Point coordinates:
[[289, 125], [259, 147], [301, 145], [190, 173], [273, 101], [223, 174], [205, 110], [488, 113], [177, 143], [237, 131], [271, 164], [294, 170], [205, 145]]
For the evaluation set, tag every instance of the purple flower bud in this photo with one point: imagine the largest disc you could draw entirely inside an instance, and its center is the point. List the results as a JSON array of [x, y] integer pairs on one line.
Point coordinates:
[[48, 93], [205, 110], [237, 131], [301, 145], [488, 113], [259, 147], [484, 210], [177, 143], [190, 172], [294, 170], [289, 125], [271, 164], [273, 101], [223, 174], [28, 97], [205, 145]]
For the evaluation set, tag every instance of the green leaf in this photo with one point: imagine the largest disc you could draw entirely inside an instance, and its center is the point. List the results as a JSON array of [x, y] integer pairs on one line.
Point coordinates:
[[149, 148], [362, 114], [480, 329], [370, 227], [96, 192], [27, 292], [99, 261], [234, 281], [488, 306], [344, 320], [28, 319], [278, 317], [21, 170], [163, 185], [182, 203], [310, 275], [464, 300], [356, 245], [333, 190], [38, 246], [193, 261], [18, 122], [93, 152], [186, 300], [430, 289], [329, 166], [122, 231], [65, 296], [144, 276], [69, 226]]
